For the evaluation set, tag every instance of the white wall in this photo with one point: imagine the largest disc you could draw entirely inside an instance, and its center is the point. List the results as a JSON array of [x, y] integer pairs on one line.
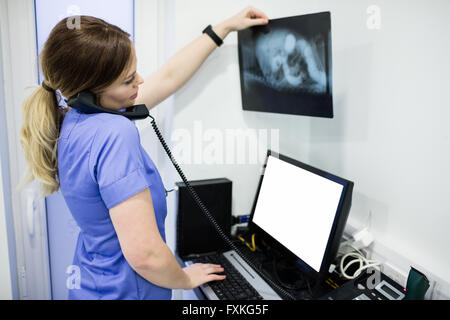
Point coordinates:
[[390, 134]]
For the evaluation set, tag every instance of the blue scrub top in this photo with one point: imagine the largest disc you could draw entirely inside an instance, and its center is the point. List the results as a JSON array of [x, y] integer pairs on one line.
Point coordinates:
[[101, 163]]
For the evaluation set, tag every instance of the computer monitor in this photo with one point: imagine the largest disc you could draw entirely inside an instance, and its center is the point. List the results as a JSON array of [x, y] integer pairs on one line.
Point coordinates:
[[303, 210]]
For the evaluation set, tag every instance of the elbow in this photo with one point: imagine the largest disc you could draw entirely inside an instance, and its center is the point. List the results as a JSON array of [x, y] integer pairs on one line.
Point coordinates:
[[145, 260]]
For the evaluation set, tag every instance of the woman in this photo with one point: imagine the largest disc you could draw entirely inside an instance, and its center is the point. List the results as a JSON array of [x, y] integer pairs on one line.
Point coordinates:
[[109, 182]]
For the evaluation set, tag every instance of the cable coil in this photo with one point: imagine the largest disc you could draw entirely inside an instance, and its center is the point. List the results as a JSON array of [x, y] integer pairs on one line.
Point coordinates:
[[357, 257]]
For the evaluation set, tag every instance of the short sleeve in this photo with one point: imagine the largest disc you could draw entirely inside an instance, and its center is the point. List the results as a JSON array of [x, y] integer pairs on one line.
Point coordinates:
[[116, 162]]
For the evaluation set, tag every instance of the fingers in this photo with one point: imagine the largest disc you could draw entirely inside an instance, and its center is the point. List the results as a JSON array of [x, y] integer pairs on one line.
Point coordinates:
[[248, 17], [200, 273], [256, 17], [212, 271], [213, 268], [216, 277], [257, 22], [254, 13]]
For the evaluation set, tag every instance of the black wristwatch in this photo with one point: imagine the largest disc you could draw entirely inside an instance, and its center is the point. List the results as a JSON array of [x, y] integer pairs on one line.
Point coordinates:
[[210, 32]]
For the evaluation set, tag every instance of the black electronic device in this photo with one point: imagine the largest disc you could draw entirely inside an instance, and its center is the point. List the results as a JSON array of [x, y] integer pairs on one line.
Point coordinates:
[[370, 285], [216, 195], [301, 211], [85, 102]]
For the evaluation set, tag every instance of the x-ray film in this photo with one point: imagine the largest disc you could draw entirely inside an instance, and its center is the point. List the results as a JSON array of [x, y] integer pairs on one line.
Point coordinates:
[[286, 67]]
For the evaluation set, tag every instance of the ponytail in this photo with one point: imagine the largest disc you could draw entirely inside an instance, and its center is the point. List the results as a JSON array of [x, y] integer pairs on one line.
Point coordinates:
[[39, 139], [106, 55]]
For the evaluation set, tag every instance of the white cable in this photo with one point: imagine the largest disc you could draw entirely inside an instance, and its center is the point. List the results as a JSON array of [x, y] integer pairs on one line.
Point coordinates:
[[359, 257]]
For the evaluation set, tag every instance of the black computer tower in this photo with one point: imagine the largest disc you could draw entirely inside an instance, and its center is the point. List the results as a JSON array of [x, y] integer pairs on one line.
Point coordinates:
[[195, 234]]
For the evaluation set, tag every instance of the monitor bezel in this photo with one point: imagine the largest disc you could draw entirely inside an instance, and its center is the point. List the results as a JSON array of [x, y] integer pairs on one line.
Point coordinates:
[[339, 221]]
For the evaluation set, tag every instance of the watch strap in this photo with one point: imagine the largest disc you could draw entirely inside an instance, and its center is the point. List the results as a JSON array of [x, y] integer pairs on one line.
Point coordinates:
[[210, 32]]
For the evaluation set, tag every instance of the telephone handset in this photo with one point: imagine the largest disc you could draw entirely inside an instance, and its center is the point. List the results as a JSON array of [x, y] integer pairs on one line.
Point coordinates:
[[85, 102]]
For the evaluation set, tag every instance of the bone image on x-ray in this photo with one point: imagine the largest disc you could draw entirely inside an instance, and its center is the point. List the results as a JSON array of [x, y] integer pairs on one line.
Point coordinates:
[[289, 62]]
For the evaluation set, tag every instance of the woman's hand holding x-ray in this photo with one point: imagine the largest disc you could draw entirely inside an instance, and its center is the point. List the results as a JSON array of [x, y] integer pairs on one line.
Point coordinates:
[[247, 18], [176, 71]]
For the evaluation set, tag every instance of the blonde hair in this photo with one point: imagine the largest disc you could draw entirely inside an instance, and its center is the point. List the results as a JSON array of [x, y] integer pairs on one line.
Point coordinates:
[[91, 57], [39, 139]]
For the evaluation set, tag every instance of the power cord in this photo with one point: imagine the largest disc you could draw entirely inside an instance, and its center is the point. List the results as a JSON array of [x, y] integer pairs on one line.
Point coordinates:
[[252, 246], [355, 257]]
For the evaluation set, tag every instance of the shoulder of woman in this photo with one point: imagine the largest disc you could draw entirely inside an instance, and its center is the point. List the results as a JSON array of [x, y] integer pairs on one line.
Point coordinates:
[[115, 126]]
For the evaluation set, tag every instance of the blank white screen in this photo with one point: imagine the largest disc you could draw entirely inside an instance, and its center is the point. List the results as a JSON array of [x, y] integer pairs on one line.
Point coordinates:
[[297, 208]]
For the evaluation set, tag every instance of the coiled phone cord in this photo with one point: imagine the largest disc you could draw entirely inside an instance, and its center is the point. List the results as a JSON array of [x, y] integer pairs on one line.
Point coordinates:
[[208, 214]]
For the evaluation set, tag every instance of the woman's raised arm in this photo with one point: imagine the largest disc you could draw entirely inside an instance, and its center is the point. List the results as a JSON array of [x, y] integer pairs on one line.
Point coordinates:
[[183, 65]]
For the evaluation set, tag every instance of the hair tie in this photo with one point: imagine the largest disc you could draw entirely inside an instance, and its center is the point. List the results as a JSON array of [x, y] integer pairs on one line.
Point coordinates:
[[47, 87]]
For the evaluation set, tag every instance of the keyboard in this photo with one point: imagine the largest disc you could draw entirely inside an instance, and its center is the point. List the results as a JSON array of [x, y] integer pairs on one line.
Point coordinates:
[[241, 283]]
